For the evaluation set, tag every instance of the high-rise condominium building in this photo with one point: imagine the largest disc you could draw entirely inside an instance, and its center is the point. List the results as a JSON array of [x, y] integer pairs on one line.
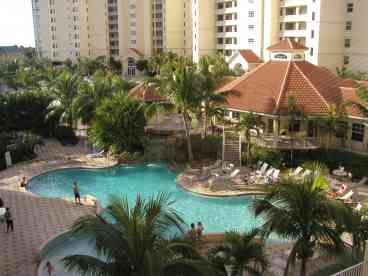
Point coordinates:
[[130, 29]]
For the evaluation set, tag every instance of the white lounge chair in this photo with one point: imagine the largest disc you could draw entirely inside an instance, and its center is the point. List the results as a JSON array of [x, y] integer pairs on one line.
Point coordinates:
[[358, 207], [262, 170], [223, 178], [346, 196], [363, 180], [96, 155], [275, 175], [305, 174], [296, 172]]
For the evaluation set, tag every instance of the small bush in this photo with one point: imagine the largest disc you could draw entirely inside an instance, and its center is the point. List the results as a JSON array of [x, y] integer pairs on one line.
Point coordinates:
[[65, 135], [209, 147], [270, 156]]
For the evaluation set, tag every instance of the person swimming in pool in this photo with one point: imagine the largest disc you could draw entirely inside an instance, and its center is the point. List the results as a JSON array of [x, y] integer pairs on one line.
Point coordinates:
[[76, 193]]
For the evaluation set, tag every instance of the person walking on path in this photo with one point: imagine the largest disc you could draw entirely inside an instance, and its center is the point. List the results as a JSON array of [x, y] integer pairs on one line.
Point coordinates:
[[49, 268], [8, 220], [76, 193]]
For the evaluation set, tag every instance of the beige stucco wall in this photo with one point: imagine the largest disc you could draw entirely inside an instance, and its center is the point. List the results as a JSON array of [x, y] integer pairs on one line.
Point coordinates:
[[359, 47], [204, 28], [331, 34], [175, 29], [93, 28]]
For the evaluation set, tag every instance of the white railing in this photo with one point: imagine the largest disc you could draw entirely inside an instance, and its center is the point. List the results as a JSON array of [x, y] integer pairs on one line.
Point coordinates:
[[360, 269], [286, 142]]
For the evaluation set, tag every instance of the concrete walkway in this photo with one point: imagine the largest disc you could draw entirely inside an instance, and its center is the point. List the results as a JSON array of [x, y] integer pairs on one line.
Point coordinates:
[[37, 219]]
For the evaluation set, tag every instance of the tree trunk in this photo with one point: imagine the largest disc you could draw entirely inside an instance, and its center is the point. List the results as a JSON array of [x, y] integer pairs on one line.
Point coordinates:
[[303, 269], [205, 125], [187, 136], [248, 147]]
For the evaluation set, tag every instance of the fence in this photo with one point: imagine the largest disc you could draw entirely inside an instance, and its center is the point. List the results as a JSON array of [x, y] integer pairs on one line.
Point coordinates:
[[360, 269]]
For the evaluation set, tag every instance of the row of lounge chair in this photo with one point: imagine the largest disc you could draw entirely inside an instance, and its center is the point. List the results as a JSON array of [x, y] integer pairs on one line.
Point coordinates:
[[264, 174]]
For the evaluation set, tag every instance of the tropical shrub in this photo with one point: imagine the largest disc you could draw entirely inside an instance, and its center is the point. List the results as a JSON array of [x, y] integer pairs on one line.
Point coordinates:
[[65, 135], [207, 147], [119, 122], [25, 111], [272, 157]]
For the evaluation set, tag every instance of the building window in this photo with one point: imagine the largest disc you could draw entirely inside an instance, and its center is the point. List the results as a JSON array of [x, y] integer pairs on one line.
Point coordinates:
[[348, 25], [312, 34], [350, 7], [251, 41], [347, 43], [346, 60], [250, 13], [228, 53], [251, 28], [311, 52], [357, 133]]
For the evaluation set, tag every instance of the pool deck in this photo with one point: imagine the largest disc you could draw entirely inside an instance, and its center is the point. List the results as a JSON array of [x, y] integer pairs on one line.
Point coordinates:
[[37, 219]]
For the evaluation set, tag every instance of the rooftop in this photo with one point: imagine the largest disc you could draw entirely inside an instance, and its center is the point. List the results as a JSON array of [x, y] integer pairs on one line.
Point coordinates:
[[286, 45], [250, 56]]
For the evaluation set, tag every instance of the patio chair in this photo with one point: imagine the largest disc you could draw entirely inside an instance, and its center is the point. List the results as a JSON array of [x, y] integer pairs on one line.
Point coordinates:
[[216, 165], [96, 155], [264, 178], [306, 173], [347, 196], [296, 172], [275, 175], [363, 180], [262, 170]]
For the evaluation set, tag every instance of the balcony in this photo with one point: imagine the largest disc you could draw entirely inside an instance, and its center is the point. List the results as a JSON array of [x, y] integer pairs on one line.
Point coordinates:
[[286, 142], [293, 3]]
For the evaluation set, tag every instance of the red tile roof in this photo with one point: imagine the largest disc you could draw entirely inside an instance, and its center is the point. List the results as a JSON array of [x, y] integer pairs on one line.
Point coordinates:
[[250, 56], [146, 93], [266, 89], [287, 45]]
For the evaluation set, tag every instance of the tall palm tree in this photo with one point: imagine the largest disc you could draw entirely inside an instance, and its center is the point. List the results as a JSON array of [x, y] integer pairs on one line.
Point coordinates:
[[137, 243], [179, 81], [210, 78], [294, 114], [92, 92], [333, 121], [244, 252], [300, 211], [248, 121], [65, 90]]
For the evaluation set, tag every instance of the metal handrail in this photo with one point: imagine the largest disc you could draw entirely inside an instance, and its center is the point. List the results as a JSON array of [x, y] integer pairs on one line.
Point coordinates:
[[360, 269]]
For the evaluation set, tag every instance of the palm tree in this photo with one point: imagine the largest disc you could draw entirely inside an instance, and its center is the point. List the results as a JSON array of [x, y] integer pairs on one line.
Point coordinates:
[[179, 81], [248, 121], [210, 78], [65, 89], [300, 211], [92, 92], [295, 115], [137, 243], [243, 252], [333, 122]]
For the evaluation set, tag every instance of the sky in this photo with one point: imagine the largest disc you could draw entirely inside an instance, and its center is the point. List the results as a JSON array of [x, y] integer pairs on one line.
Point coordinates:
[[16, 23]]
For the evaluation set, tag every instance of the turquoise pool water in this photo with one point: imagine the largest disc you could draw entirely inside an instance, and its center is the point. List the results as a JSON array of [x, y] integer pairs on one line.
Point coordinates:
[[216, 214]]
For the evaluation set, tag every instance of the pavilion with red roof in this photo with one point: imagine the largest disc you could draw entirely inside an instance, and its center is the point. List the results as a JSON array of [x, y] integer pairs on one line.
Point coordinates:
[[316, 91]]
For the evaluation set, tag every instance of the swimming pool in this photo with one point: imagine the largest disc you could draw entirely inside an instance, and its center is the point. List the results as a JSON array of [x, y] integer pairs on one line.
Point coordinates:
[[216, 214]]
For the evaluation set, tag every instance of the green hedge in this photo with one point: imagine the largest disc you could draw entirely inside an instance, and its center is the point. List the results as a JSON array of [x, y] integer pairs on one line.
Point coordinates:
[[25, 111]]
